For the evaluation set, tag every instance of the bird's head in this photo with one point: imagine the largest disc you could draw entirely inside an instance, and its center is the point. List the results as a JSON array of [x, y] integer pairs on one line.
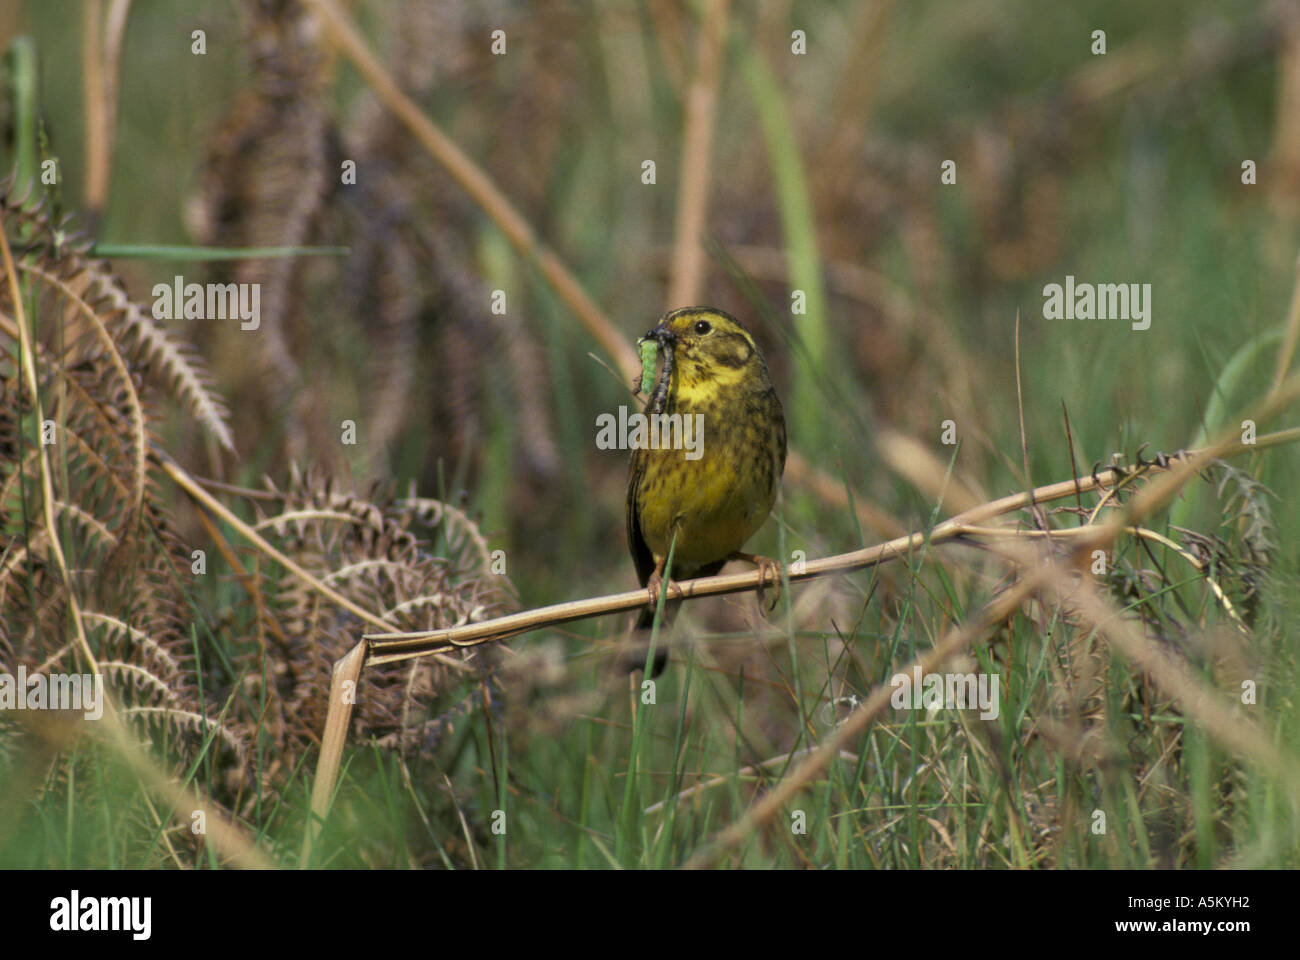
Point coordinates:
[[708, 346]]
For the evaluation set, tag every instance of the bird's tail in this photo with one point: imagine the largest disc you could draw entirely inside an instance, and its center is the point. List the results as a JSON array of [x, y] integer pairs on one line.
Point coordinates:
[[645, 621], [640, 646]]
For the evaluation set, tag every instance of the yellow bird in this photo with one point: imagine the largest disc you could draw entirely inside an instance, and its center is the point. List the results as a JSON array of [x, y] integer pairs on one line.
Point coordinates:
[[715, 495]]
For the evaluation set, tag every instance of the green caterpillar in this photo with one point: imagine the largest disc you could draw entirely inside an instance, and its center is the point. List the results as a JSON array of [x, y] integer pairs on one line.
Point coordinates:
[[648, 349]]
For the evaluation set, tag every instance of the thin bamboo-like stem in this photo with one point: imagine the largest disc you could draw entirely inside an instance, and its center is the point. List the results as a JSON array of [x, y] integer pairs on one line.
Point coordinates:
[[343, 696], [27, 349], [697, 153], [101, 42], [95, 188], [387, 647]]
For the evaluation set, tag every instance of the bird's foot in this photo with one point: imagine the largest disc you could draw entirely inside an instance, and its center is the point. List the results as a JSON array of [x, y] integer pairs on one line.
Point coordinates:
[[655, 586], [768, 569]]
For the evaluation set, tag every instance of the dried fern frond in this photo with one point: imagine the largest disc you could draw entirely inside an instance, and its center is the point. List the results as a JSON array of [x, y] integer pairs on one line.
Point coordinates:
[[104, 369], [158, 355], [366, 547]]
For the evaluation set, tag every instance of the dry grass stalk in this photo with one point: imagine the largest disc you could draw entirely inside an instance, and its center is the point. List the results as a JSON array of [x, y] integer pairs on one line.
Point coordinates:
[[696, 159]]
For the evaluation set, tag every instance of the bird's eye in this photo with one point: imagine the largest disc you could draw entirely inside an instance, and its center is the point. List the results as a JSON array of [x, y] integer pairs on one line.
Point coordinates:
[[702, 327]]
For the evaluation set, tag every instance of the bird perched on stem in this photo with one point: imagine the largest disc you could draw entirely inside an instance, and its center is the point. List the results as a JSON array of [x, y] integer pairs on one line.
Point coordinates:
[[705, 502]]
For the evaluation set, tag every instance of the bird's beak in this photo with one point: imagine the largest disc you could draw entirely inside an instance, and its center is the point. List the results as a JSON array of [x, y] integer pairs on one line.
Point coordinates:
[[661, 334]]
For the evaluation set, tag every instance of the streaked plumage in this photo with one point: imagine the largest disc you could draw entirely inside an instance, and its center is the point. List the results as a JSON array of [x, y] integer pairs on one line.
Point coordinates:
[[717, 502]]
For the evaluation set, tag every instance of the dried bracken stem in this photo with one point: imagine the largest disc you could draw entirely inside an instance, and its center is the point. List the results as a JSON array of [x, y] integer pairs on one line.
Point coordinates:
[[92, 94], [343, 685], [388, 647], [697, 154], [101, 46]]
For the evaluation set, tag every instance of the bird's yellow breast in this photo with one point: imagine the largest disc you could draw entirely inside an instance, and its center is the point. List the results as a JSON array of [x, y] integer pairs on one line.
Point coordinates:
[[717, 502]]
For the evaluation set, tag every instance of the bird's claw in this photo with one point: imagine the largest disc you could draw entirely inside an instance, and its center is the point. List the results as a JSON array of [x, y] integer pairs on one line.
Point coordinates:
[[655, 586], [767, 569]]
